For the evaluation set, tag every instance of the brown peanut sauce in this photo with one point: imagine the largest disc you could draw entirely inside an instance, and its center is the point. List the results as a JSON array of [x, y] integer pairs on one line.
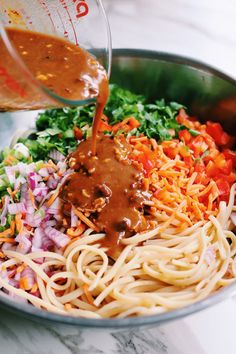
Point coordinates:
[[107, 187], [105, 184], [61, 66]]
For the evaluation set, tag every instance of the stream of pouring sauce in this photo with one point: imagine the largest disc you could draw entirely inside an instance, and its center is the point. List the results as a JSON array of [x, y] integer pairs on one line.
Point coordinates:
[[66, 69], [105, 184]]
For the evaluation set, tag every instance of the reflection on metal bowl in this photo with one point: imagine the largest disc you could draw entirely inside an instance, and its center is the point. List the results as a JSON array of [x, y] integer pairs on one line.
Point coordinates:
[[206, 92]]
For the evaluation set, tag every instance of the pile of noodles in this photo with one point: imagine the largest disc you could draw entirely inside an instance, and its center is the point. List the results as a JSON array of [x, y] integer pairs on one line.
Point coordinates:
[[189, 254]]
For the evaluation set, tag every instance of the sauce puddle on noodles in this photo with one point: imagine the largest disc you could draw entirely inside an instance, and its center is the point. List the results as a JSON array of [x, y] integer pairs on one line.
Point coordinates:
[[108, 188], [66, 69], [145, 225]]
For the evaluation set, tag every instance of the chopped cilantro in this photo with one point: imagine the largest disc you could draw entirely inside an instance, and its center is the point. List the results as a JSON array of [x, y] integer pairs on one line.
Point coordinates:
[[55, 127]]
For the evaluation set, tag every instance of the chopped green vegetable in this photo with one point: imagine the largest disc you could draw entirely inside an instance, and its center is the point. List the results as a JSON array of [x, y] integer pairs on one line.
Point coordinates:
[[194, 132], [55, 128]]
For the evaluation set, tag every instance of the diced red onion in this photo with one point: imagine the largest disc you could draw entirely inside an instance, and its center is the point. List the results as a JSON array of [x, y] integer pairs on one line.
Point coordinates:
[[19, 181], [24, 245], [53, 182], [4, 211], [47, 243], [14, 282], [10, 172], [62, 166], [41, 192], [28, 204], [34, 220], [23, 192], [55, 207], [33, 181], [4, 275], [17, 277], [37, 239], [43, 172], [56, 156], [8, 247], [74, 218], [16, 208], [57, 217], [60, 239], [28, 274], [24, 169], [50, 223]]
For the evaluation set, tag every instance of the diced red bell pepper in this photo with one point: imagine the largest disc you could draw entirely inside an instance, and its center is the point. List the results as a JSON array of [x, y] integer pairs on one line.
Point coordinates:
[[224, 189], [104, 127], [224, 165], [216, 131], [182, 116], [211, 169], [188, 161], [185, 136], [147, 163], [230, 155], [198, 145], [199, 166]]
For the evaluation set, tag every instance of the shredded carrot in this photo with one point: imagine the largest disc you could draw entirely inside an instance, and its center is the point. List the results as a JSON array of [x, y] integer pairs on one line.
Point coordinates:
[[88, 294], [32, 198], [49, 164], [86, 220], [24, 284], [140, 139], [52, 164], [127, 124], [12, 193], [9, 191], [12, 227], [20, 268], [146, 184], [6, 233], [34, 288], [19, 223], [2, 255], [52, 198], [7, 240], [183, 217], [10, 160]]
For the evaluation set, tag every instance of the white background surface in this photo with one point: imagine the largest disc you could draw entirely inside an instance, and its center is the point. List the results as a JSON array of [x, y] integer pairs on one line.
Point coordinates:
[[204, 30]]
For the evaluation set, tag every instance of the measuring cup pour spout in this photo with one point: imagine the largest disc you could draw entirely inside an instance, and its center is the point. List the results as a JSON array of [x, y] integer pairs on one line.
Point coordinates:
[[52, 53]]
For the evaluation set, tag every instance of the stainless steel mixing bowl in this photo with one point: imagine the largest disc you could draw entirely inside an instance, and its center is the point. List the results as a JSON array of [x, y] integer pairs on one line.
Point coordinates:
[[206, 92]]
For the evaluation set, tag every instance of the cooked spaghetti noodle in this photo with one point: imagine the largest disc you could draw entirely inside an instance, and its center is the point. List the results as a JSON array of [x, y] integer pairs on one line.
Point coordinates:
[[58, 256]]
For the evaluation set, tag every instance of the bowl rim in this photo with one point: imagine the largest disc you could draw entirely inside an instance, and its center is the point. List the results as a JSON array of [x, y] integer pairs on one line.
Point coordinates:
[[34, 313], [173, 58]]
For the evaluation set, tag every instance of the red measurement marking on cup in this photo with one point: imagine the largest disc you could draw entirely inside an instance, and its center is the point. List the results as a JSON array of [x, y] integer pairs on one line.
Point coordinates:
[[70, 19], [82, 8], [45, 6], [62, 23], [11, 83]]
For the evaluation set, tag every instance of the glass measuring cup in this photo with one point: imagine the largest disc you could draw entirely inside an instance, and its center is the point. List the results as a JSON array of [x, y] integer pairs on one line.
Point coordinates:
[[82, 22]]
